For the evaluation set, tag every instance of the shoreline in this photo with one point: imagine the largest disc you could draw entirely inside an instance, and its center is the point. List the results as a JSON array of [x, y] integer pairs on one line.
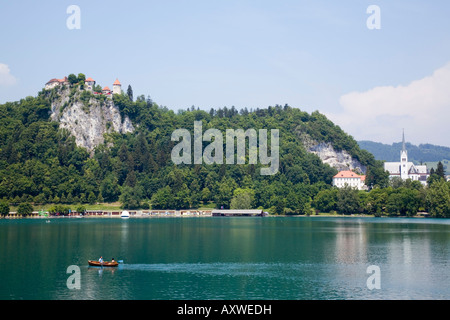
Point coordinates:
[[150, 216]]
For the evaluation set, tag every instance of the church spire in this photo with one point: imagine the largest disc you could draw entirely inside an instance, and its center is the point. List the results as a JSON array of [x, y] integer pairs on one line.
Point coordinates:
[[404, 160], [403, 145]]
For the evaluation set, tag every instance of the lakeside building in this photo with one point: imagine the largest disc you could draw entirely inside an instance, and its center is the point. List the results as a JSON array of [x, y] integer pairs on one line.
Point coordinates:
[[351, 179], [238, 213], [407, 170]]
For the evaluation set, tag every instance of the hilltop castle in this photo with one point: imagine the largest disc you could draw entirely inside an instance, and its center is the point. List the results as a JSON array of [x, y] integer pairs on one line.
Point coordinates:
[[407, 170], [56, 82], [89, 85]]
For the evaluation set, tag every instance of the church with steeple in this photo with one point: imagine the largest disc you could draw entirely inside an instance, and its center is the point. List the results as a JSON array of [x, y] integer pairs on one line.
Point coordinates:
[[407, 170]]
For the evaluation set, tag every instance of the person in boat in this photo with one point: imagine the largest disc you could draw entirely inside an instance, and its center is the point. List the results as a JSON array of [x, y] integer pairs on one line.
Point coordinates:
[[100, 260], [112, 260]]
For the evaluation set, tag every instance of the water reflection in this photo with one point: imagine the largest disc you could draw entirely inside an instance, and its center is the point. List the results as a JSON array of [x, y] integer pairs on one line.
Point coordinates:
[[100, 270], [350, 242]]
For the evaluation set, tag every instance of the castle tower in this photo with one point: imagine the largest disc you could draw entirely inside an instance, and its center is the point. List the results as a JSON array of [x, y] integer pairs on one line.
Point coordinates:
[[404, 160], [117, 87], [90, 83]]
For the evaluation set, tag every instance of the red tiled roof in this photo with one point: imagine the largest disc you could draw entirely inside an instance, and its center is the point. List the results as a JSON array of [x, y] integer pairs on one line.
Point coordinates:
[[349, 174], [106, 88], [58, 80], [52, 80], [90, 80], [116, 82]]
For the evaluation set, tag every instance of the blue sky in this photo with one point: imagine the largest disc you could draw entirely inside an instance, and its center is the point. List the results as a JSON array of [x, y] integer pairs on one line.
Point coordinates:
[[313, 55]]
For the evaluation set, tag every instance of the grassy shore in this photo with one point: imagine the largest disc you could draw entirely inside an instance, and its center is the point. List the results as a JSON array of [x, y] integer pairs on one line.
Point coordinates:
[[113, 206]]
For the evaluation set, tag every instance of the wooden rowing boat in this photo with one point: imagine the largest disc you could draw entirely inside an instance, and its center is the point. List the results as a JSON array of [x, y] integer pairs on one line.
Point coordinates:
[[96, 263]]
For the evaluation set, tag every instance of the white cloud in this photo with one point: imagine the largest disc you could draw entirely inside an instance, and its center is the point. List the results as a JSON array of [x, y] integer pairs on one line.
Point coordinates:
[[422, 108], [6, 78]]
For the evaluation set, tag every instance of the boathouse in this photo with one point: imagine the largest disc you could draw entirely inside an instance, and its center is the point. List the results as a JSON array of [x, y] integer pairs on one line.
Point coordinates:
[[238, 213]]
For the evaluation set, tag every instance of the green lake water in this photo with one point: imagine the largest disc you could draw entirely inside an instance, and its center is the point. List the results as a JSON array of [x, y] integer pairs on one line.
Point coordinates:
[[217, 258]]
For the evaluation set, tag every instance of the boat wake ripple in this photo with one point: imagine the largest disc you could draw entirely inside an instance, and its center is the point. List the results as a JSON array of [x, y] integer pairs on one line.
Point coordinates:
[[219, 268]]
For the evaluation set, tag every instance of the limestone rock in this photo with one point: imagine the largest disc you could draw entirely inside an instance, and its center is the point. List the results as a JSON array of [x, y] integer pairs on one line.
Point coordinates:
[[340, 160], [88, 118]]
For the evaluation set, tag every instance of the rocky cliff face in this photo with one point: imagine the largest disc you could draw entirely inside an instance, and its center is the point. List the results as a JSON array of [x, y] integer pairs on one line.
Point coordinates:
[[87, 117], [341, 160]]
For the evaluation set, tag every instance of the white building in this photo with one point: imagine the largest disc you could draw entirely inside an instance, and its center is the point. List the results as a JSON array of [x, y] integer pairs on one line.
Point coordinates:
[[117, 87], [90, 83], [407, 170], [351, 179]]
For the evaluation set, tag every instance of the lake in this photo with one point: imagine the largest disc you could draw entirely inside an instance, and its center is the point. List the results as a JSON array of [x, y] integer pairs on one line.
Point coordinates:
[[275, 258]]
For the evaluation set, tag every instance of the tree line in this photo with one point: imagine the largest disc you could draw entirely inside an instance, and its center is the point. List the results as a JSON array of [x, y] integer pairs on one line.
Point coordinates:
[[40, 163]]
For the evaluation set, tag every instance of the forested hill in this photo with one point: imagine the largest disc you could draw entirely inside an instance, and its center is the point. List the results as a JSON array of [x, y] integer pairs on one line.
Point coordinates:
[[41, 163], [422, 153]]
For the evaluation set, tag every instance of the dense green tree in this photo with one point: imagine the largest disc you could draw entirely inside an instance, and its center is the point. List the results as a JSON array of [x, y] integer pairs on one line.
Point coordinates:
[[326, 200], [92, 198], [81, 78], [69, 198], [59, 209], [131, 197], [131, 179], [376, 176], [242, 199], [109, 188], [279, 205], [25, 209], [206, 195], [163, 199], [403, 201], [72, 78], [440, 170], [297, 204], [97, 88], [4, 208], [195, 194], [182, 198], [438, 199], [83, 198], [224, 194], [377, 200], [348, 201], [433, 178], [130, 93]]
